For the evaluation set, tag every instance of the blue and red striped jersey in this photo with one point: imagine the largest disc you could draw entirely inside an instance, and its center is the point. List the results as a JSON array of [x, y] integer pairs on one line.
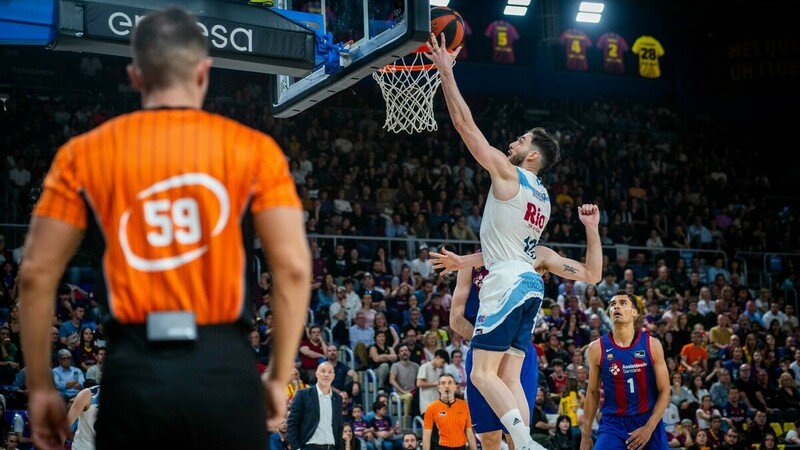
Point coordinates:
[[628, 376], [473, 301]]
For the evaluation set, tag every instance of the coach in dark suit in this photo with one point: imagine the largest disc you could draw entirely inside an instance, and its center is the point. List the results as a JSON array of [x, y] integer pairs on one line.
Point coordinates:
[[315, 420]]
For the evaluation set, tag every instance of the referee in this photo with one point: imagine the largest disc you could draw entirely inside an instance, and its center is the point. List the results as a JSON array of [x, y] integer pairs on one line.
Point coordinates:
[[169, 196], [451, 417]]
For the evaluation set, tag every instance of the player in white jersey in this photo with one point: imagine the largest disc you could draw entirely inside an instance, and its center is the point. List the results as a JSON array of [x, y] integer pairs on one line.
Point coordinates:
[[83, 414], [516, 212]]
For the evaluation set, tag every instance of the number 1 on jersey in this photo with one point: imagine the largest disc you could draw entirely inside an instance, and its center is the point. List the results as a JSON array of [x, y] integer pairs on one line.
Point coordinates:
[[631, 384]]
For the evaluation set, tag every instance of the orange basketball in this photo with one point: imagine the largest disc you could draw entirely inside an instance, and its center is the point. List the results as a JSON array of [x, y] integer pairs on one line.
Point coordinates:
[[448, 21]]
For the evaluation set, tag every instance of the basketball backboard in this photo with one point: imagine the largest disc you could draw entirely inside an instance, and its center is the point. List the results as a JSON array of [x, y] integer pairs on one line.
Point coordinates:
[[365, 34]]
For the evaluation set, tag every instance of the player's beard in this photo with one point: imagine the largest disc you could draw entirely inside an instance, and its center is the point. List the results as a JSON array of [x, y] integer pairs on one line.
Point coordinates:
[[517, 158]]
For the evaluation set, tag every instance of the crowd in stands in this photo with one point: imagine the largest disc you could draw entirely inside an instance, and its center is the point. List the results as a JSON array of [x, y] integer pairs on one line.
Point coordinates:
[[677, 202]]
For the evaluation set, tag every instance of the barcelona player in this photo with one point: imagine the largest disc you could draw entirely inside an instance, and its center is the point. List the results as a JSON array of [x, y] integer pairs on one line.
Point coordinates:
[[635, 384]]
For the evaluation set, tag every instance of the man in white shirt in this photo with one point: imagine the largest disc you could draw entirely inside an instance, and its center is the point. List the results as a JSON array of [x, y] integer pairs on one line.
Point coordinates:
[[422, 265], [428, 378], [315, 426], [774, 313]]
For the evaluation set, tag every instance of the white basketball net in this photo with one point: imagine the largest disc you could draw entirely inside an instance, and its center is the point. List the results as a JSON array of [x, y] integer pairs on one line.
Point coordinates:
[[409, 90]]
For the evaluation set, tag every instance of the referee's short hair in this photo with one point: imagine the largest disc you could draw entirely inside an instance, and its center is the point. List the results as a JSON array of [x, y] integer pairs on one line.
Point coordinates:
[[167, 45]]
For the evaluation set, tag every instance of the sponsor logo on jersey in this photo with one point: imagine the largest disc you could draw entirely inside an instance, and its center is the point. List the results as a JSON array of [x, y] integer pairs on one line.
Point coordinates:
[[634, 368], [638, 354], [615, 369]]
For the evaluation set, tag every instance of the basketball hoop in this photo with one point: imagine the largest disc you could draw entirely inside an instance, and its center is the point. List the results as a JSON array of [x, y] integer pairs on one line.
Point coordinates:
[[409, 90]]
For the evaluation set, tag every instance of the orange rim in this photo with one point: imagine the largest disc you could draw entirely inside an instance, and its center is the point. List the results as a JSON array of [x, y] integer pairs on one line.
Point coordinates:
[[392, 68]]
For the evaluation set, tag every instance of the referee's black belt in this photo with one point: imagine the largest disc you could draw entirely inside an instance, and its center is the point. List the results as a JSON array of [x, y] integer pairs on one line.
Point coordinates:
[[320, 447]]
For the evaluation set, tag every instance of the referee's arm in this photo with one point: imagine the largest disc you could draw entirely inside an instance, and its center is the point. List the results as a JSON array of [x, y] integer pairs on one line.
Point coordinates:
[[283, 238], [473, 445]]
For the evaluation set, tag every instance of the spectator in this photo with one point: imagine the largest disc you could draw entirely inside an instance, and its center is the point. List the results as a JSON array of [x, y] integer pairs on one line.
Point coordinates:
[[694, 351], [540, 426], [793, 436], [381, 357], [361, 339], [767, 397], [757, 429], [706, 412], [788, 395], [345, 379], [360, 428], [403, 376], [95, 372], [458, 371], [295, 384], [428, 378], [86, 353], [279, 440], [312, 350], [732, 441], [682, 397], [734, 410], [774, 313], [700, 441], [430, 344], [67, 378], [9, 363], [382, 427], [421, 264], [410, 441], [719, 390]]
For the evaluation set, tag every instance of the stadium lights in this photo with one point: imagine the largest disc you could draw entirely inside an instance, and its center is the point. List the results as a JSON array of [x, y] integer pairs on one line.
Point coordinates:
[[440, 2], [515, 10], [519, 2], [592, 7], [590, 12]]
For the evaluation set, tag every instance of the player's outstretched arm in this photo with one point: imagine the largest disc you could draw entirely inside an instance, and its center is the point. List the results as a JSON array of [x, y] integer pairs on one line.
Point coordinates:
[[591, 272], [458, 322], [453, 262], [489, 157], [592, 401]]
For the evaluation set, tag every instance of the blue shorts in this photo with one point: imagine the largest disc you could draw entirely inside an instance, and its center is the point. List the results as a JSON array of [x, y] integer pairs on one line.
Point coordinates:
[[510, 300], [613, 432], [483, 418]]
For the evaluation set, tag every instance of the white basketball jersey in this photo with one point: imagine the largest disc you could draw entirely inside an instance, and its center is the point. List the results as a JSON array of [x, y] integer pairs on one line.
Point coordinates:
[[511, 229], [84, 434]]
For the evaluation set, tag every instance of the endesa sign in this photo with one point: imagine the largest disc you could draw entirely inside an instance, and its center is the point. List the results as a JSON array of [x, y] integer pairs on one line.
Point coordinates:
[[116, 22]]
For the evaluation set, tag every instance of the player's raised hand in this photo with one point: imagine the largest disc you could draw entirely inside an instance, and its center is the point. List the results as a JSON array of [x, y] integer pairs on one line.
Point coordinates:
[[639, 438], [447, 261], [439, 55], [589, 215]]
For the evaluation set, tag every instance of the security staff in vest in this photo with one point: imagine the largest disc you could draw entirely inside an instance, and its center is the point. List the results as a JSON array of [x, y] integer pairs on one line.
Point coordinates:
[[315, 420]]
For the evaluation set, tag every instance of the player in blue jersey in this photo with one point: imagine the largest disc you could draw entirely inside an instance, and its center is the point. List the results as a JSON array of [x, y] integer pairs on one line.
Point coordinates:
[[464, 311], [635, 380]]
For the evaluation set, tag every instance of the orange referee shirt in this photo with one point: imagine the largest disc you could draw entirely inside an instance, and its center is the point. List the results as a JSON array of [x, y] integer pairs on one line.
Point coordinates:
[[452, 420], [169, 189]]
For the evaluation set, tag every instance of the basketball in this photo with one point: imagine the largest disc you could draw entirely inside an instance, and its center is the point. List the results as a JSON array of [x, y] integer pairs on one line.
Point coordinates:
[[448, 21]]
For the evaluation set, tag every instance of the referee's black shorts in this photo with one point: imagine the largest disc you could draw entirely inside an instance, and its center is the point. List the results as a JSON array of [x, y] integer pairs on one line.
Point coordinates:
[[205, 394]]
